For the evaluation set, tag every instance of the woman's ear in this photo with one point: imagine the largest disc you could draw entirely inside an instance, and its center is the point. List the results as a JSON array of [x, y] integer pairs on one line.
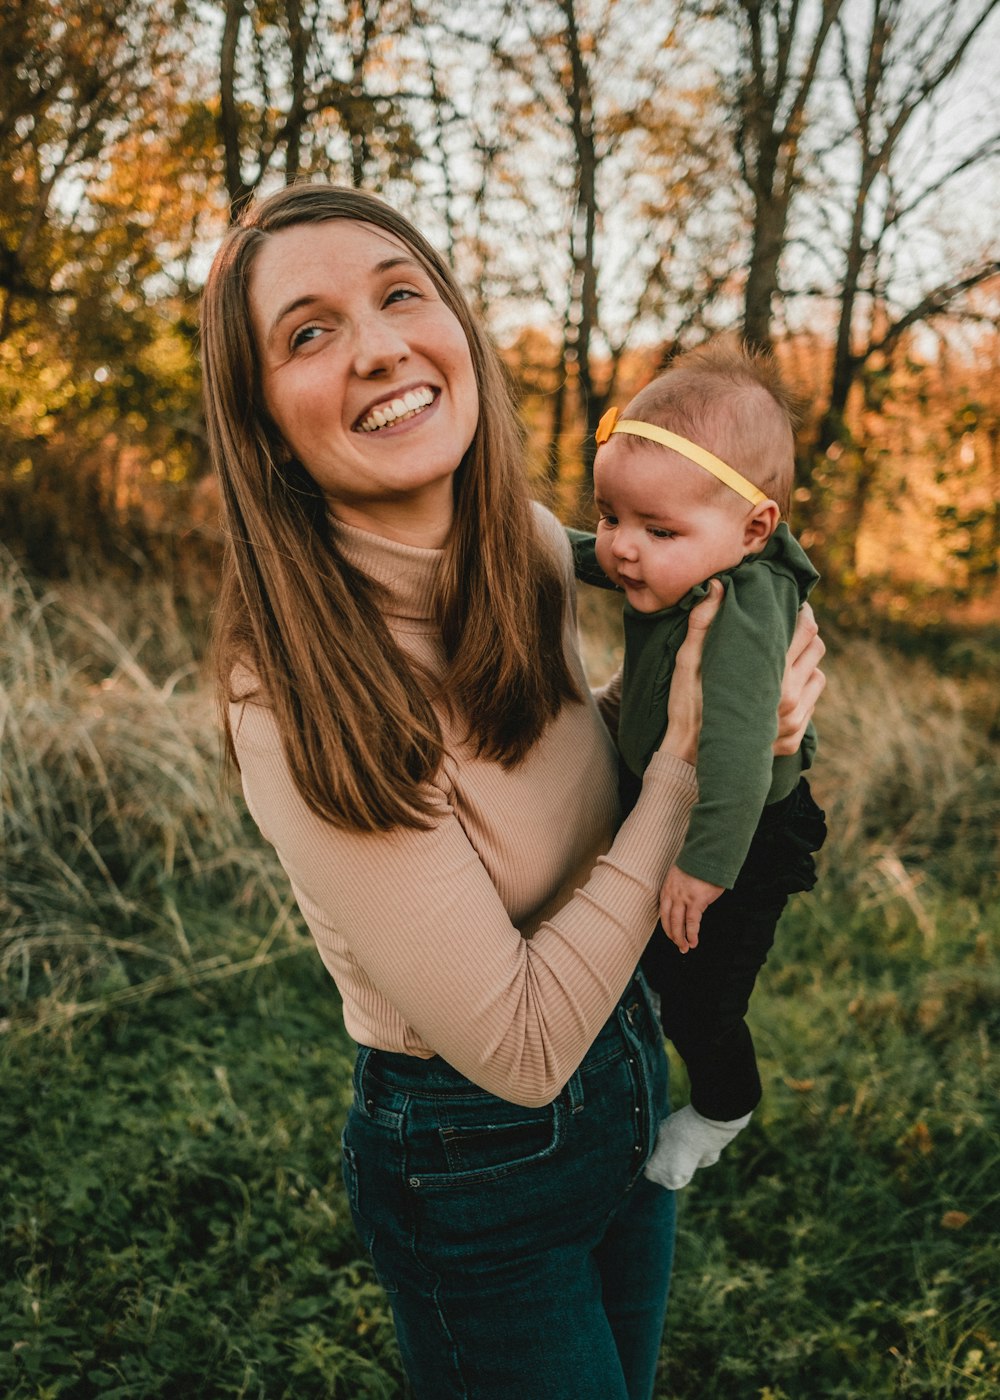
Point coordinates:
[[760, 525]]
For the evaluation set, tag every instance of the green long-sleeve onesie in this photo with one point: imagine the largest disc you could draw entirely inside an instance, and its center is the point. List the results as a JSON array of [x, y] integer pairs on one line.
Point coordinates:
[[742, 668]]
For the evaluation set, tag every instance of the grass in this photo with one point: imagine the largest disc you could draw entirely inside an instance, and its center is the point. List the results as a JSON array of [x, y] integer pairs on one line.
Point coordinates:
[[174, 1071], [175, 1224], [125, 872]]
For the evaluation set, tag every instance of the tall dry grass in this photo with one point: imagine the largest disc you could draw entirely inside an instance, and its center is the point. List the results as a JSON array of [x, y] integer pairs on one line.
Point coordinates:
[[125, 871]]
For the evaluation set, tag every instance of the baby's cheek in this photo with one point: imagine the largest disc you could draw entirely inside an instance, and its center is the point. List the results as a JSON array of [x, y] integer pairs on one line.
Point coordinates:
[[602, 549]]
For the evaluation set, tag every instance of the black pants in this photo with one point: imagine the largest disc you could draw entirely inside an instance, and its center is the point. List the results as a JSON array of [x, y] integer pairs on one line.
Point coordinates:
[[704, 993]]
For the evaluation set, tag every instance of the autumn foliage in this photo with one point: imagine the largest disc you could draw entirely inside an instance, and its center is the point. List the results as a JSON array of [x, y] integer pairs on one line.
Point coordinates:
[[751, 167]]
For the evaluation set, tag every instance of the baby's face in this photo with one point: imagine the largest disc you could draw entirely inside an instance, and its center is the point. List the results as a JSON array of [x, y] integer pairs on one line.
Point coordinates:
[[662, 529]]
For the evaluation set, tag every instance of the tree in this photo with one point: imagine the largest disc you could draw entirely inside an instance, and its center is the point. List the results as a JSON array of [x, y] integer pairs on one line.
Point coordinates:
[[897, 267], [310, 87], [892, 78], [74, 78], [600, 161], [778, 47], [105, 185]]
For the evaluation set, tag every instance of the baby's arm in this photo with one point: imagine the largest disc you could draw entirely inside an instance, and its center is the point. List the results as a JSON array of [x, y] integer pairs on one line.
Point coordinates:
[[743, 667], [684, 898]]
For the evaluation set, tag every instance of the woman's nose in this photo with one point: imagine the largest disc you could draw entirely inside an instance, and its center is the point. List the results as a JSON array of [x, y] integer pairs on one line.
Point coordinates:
[[379, 348]]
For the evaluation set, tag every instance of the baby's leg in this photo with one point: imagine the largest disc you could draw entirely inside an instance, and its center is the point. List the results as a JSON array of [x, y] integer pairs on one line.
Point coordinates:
[[704, 996], [704, 993]]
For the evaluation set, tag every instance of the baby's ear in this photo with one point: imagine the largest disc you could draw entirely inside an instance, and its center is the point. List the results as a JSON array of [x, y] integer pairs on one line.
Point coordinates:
[[760, 525]]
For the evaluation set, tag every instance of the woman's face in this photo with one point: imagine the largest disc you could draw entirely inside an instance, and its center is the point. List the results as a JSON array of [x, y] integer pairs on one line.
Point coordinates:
[[366, 373]]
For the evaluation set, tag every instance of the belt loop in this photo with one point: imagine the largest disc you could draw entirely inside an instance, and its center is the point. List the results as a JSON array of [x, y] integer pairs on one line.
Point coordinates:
[[574, 1093], [362, 1098], [632, 1007]]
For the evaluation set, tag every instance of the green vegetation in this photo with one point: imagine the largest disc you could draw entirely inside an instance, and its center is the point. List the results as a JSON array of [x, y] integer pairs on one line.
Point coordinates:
[[174, 1072]]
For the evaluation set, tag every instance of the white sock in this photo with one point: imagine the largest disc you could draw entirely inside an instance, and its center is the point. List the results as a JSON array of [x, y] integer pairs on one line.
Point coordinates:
[[687, 1141]]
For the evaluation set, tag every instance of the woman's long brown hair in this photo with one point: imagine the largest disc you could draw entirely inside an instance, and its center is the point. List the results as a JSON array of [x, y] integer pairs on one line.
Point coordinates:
[[358, 724]]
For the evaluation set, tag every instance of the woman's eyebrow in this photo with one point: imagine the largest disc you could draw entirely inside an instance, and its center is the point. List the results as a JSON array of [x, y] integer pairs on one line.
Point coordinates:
[[386, 265], [308, 300], [401, 260]]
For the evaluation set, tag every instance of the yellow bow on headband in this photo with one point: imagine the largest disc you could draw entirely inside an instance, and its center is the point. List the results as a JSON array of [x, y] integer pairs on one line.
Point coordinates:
[[699, 455]]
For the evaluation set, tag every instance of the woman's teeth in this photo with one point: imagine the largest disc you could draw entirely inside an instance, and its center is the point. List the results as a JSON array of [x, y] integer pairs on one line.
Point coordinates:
[[394, 412]]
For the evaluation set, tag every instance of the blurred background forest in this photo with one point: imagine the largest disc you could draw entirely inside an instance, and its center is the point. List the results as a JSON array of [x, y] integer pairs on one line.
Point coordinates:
[[613, 179]]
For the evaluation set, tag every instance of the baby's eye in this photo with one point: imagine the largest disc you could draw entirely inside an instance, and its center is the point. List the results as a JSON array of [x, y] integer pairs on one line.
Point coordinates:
[[659, 534], [609, 521], [303, 335]]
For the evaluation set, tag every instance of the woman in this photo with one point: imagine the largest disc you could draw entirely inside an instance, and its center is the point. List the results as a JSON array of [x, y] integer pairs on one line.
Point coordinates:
[[416, 738]]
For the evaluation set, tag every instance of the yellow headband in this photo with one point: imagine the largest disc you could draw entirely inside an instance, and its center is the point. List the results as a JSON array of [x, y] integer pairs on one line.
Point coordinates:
[[609, 424]]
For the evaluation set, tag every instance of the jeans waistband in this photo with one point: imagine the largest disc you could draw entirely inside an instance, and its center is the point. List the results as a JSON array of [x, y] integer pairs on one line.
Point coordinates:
[[412, 1075]]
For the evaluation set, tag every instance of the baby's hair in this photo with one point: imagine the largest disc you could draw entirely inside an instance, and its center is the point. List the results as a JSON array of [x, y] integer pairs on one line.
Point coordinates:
[[732, 400]]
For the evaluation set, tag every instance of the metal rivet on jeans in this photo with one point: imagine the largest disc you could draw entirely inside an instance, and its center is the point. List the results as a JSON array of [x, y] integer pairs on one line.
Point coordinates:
[[414, 1181]]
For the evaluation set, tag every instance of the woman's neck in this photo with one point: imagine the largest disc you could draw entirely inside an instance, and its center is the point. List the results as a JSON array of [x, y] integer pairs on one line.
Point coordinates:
[[424, 523]]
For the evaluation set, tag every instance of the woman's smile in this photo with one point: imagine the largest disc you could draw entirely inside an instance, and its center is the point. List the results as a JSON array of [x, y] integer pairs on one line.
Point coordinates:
[[392, 413]]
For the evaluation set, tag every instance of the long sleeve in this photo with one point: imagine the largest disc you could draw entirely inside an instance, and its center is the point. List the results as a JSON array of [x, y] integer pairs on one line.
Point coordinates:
[[585, 565], [742, 668], [413, 928]]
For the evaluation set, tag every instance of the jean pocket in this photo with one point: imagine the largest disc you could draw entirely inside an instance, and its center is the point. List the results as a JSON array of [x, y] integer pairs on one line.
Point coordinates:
[[457, 1153]]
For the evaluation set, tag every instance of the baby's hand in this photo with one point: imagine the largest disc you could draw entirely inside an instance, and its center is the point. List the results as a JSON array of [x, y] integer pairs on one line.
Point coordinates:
[[683, 900]]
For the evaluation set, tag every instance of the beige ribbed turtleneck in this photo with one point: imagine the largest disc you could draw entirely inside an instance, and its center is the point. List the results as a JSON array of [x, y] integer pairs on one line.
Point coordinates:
[[467, 940]]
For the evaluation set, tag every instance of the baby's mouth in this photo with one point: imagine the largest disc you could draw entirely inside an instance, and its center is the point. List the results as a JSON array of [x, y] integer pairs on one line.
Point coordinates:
[[386, 415]]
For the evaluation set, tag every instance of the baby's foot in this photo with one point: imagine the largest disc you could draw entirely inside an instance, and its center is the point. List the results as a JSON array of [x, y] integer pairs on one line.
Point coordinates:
[[687, 1141]]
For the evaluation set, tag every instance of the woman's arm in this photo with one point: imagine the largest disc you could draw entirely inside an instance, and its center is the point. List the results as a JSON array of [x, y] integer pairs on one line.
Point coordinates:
[[420, 918]]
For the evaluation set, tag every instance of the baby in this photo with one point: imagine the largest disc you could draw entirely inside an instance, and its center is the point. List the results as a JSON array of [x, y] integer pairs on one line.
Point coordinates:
[[691, 483]]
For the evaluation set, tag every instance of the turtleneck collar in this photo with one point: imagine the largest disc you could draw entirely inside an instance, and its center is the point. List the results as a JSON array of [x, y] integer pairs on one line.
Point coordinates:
[[408, 574]]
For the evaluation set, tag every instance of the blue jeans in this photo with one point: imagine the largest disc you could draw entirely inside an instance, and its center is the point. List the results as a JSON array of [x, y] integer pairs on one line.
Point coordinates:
[[522, 1250]]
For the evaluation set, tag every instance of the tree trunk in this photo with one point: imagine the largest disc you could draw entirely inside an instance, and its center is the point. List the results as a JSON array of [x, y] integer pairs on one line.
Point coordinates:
[[239, 192], [846, 366], [583, 303], [298, 47], [762, 274], [552, 451]]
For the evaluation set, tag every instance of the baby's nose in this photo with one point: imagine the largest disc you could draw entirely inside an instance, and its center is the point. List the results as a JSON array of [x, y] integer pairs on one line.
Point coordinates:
[[624, 545]]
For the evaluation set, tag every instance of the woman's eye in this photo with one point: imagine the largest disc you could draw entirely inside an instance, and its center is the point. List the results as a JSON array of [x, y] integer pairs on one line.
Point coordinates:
[[400, 294], [303, 335]]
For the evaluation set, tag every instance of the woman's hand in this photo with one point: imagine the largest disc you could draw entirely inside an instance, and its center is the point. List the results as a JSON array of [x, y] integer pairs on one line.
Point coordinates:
[[802, 683], [684, 704]]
